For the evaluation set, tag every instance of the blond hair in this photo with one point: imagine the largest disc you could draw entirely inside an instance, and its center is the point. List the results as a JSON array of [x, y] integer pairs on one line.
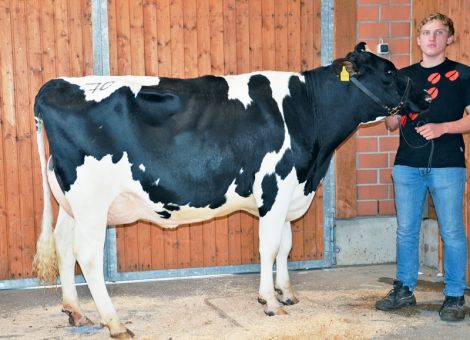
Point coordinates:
[[446, 21]]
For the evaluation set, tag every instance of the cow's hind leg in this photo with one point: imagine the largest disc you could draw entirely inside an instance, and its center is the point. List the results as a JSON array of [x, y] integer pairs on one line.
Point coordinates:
[[270, 232], [63, 235], [90, 232], [286, 294]]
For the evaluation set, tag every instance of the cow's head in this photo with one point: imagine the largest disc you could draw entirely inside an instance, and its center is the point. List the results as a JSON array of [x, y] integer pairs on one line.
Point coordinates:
[[379, 80]]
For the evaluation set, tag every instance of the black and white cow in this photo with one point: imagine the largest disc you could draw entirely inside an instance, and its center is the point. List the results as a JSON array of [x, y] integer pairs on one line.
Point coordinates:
[[175, 151]]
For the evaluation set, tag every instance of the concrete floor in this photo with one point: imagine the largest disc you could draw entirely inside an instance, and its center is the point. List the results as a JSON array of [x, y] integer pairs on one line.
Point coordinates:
[[334, 303]]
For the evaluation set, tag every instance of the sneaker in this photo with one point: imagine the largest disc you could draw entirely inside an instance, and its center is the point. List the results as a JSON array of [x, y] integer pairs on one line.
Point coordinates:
[[400, 296], [453, 308]]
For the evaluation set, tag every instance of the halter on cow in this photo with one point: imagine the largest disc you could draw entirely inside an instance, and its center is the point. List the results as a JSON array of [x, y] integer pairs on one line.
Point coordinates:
[[175, 151]]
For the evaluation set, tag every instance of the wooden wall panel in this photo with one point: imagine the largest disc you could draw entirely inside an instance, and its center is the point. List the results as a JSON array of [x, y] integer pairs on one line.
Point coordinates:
[[346, 190], [40, 40], [187, 38], [459, 12]]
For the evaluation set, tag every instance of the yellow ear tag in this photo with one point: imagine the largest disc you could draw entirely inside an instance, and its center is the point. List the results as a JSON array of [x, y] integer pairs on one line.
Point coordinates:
[[344, 75]]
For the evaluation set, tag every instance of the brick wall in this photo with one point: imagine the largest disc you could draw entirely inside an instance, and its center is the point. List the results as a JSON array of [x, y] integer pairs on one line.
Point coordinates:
[[389, 20]]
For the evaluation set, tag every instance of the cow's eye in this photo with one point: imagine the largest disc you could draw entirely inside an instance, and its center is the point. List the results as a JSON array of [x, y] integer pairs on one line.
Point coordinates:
[[389, 72]]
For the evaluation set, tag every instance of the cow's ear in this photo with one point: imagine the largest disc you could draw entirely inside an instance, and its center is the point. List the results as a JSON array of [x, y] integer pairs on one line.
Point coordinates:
[[361, 47], [348, 65]]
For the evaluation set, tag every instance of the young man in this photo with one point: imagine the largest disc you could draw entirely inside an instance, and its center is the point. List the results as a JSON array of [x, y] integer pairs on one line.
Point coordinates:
[[431, 157]]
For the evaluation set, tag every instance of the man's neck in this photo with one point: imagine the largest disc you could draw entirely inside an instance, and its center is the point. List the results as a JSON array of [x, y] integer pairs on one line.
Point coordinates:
[[432, 61]]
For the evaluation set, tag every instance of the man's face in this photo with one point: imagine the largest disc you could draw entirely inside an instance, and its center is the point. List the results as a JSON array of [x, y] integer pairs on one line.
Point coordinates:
[[433, 38]]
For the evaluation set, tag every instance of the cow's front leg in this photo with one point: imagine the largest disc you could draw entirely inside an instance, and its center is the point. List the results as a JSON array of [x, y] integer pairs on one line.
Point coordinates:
[[63, 236], [286, 294], [270, 232]]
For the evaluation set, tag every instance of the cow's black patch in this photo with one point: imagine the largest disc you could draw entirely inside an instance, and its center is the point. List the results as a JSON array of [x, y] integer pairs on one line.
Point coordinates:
[[171, 207], [270, 189], [284, 166], [164, 214]]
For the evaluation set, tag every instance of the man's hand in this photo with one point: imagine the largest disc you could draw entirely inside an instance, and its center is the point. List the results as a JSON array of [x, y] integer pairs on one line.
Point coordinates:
[[431, 131]]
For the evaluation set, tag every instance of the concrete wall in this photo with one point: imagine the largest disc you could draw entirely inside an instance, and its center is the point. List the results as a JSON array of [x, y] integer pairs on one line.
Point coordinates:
[[371, 240]]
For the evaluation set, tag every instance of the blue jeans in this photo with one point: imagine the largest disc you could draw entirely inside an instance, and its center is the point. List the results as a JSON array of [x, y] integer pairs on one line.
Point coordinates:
[[446, 186]]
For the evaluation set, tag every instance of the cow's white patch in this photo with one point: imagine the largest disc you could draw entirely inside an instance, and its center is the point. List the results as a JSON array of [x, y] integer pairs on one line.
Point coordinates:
[[156, 182], [142, 167], [238, 88], [99, 87]]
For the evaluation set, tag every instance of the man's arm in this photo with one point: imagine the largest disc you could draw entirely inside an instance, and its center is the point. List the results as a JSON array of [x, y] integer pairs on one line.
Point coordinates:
[[431, 131]]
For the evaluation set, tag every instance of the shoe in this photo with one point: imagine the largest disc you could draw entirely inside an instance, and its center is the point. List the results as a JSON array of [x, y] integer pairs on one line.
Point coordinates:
[[400, 296], [453, 308]]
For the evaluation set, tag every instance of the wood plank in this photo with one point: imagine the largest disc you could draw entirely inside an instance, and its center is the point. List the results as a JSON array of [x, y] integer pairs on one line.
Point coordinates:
[[309, 236], [221, 241], [87, 35], [217, 36], [17, 142], [293, 36], [150, 37], [35, 80], [307, 35], [256, 29], [76, 37], [234, 239], [113, 41], [297, 252], [242, 36], [163, 38], [345, 161], [280, 22], [316, 33], [268, 35], [230, 31], [247, 238], [62, 38], [6, 128]]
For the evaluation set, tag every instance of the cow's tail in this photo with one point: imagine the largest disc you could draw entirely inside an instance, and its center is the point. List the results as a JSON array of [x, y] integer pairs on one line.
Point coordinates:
[[45, 260]]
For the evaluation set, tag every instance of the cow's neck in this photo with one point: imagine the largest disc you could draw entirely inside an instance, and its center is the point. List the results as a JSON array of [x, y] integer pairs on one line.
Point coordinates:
[[337, 114]]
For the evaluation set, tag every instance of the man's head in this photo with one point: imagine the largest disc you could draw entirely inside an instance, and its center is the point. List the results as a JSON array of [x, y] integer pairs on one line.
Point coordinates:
[[435, 33]]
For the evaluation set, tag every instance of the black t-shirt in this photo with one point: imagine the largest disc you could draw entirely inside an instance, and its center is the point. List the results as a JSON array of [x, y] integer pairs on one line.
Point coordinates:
[[449, 85]]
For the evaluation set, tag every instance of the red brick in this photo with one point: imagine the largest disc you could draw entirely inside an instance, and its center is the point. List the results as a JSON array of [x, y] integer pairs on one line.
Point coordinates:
[[367, 13], [373, 160], [387, 207], [399, 46], [373, 30], [395, 13], [394, 2], [366, 176], [400, 29], [400, 61], [375, 129], [385, 176], [367, 144], [391, 158], [368, 192], [367, 208], [388, 143]]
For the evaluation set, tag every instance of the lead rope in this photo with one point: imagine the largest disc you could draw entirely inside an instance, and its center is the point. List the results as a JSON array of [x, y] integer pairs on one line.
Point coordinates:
[[428, 167]]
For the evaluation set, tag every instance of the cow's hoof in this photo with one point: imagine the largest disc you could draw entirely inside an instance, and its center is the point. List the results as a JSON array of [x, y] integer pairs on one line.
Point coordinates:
[[277, 311], [289, 302], [127, 334], [77, 319]]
